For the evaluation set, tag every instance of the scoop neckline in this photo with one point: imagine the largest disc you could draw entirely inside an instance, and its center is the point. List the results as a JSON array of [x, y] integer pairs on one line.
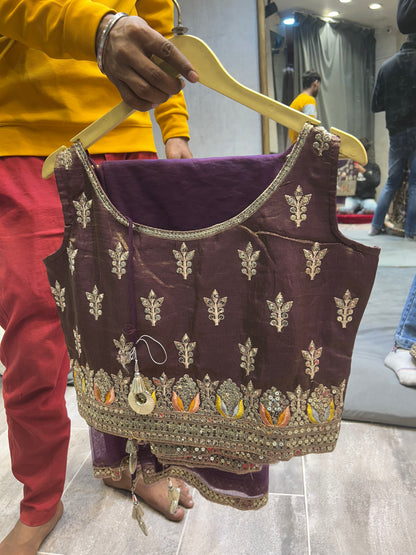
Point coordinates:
[[215, 229]]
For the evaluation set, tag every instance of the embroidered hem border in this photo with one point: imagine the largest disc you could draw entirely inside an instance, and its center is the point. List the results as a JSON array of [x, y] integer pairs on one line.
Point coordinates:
[[151, 477]]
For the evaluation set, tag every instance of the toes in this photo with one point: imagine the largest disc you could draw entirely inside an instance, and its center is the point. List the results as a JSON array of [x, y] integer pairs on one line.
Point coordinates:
[[185, 498], [177, 516]]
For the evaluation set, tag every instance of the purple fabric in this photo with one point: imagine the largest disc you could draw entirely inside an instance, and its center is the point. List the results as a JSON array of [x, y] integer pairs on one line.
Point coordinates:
[[162, 193]]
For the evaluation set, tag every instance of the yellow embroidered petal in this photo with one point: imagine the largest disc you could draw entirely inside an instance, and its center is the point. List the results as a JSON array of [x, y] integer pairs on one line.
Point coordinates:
[[218, 405], [284, 418], [310, 415], [331, 413], [194, 406], [177, 403], [240, 409]]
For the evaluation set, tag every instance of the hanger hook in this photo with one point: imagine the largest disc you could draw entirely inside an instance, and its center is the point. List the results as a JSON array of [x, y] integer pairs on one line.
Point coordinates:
[[179, 29]]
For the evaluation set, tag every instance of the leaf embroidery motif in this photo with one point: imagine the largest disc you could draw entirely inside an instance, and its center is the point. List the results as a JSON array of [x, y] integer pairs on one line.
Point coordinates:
[[184, 263], [71, 257], [314, 259], [345, 308], [298, 205], [248, 354], [59, 295], [124, 349], [186, 350], [119, 260], [215, 307], [311, 357], [279, 312], [77, 338], [83, 209], [152, 307], [95, 299], [248, 261]]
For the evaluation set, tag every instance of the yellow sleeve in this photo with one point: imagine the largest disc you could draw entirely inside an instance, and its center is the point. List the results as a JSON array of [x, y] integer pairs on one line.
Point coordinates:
[[60, 28], [172, 115]]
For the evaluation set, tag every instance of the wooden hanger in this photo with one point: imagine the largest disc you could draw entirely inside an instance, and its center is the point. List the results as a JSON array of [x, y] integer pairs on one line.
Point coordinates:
[[213, 75]]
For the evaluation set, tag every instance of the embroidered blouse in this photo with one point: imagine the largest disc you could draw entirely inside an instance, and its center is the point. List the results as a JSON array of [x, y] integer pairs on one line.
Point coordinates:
[[237, 267]]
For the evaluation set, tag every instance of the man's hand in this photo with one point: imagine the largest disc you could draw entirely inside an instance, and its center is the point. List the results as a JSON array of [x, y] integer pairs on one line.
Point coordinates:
[[177, 147], [126, 62]]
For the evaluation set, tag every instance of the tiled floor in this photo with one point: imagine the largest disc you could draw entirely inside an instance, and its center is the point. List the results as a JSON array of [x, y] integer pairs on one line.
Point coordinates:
[[358, 500]]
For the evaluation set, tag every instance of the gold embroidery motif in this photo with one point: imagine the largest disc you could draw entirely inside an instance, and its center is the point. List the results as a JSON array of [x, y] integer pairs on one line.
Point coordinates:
[[321, 405], [152, 307], [94, 300], [215, 307], [298, 205], [71, 257], [79, 376], [314, 260], [345, 308], [124, 349], [279, 312], [184, 259], [274, 409], [248, 354], [229, 400], [322, 140], [248, 261], [311, 357], [186, 350], [103, 388], [77, 338], [64, 159], [59, 295], [83, 208], [119, 260], [185, 394]]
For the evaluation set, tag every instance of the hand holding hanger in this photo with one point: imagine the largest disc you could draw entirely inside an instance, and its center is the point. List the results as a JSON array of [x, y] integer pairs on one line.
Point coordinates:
[[125, 58]]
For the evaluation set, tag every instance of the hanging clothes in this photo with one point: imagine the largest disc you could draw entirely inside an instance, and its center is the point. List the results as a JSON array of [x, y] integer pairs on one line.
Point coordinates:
[[235, 268]]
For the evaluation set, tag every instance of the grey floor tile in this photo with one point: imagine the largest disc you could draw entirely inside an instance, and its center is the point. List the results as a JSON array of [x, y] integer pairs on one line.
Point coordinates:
[[286, 477], [278, 528], [97, 521], [361, 497]]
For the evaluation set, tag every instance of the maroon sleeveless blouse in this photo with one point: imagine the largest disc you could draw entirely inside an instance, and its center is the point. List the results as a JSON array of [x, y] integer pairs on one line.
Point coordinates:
[[237, 267]]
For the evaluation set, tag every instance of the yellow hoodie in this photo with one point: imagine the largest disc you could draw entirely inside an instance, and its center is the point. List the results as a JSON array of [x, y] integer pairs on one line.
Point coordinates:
[[46, 97]]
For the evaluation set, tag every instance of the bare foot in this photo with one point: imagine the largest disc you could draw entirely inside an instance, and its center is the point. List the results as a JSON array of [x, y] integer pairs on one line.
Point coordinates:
[[26, 540], [156, 495]]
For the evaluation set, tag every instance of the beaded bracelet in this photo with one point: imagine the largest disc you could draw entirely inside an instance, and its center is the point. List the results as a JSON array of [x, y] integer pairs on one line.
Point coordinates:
[[102, 41]]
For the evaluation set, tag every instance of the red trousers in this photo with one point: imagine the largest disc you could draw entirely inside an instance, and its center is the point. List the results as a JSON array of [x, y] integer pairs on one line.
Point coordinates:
[[33, 348]]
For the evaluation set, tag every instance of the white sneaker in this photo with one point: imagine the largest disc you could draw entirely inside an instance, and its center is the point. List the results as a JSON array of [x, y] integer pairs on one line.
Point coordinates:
[[403, 365]]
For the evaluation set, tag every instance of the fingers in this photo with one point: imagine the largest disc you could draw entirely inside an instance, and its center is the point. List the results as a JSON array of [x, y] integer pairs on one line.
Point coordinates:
[[127, 63]]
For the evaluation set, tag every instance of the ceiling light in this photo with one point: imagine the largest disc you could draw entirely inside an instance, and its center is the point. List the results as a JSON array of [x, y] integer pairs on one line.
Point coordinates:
[[375, 6], [345, 1], [289, 21], [333, 14]]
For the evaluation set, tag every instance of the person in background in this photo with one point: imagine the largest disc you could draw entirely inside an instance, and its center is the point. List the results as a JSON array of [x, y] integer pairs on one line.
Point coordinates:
[[406, 16], [368, 179], [306, 101], [52, 88], [395, 93], [402, 358]]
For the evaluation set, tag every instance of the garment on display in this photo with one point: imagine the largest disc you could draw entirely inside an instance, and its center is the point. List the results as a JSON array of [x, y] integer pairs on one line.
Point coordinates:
[[232, 269]]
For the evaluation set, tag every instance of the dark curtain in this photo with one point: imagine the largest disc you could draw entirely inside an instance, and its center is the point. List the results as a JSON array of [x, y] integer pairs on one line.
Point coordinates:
[[344, 55]]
